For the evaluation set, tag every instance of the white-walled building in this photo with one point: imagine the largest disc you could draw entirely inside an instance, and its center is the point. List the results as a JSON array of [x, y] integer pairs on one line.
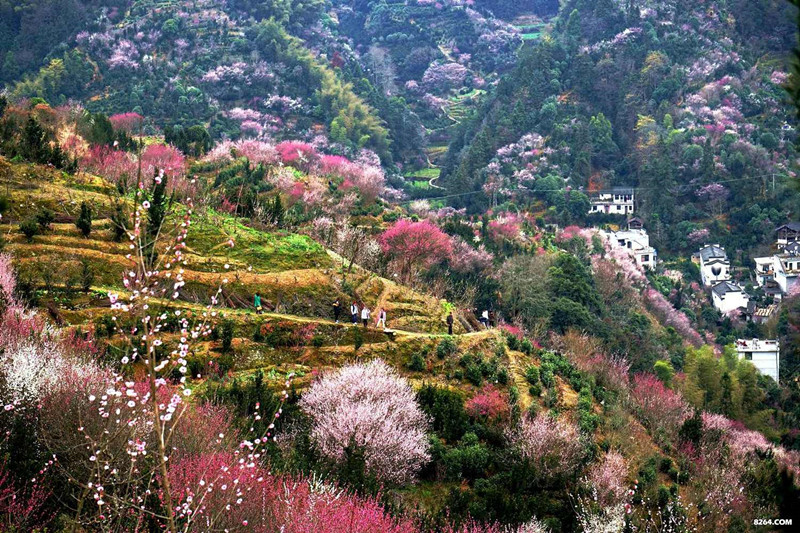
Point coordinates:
[[764, 354], [727, 297], [783, 268], [714, 265], [787, 234], [637, 243], [617, 201]]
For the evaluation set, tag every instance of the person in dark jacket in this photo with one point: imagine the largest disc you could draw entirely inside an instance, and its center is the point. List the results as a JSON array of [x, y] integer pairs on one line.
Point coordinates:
[[354, 313], [337, 310], [450, 323]]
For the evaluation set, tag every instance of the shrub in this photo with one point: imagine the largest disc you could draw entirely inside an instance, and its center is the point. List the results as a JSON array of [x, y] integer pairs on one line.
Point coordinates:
[[502, 376], [358, 338], [317, 341], [86, 275], [370, 407], [526, 346], [445, 407], [417, 363], [227, 335], [474, 375], [44, 218], [532, 375], [84, 221], [30, 228], [447, 346]]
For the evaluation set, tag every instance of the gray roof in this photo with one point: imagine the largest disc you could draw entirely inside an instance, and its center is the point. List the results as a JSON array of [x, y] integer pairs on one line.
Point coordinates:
[[793, 248], [794, 226], [724, 287], [712, 251]]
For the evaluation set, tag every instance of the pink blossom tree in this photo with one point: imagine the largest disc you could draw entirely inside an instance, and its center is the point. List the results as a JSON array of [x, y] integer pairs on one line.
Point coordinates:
[[553, 446], [415, 245], [662, 410], [370, 406]]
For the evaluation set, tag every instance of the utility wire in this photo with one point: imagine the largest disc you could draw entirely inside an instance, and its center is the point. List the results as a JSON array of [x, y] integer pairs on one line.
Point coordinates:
[[635, 189]]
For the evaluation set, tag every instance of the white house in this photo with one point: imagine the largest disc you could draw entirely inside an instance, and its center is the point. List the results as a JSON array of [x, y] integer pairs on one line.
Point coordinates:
[[714, 265], [617, 201], [781, 269], [765, 355], [637, 242], [788, 233], [728, 297]]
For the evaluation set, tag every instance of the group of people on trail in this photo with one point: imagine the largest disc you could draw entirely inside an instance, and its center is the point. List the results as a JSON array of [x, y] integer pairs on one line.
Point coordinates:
[[364, 314], [487, 319], [357, 312]]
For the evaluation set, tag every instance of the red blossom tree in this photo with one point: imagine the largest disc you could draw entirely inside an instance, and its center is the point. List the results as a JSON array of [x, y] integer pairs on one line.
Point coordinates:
[[414, 245], [489, 404], [128, 122]]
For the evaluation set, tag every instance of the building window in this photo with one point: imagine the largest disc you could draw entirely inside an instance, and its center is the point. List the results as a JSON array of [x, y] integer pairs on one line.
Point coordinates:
[[645, 258], [748, 356]]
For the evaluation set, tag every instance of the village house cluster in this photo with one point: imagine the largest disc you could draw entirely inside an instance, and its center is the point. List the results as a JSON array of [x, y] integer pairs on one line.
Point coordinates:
[[776, 275]]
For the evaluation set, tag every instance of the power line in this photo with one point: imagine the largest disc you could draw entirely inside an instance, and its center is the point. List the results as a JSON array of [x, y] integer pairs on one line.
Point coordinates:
[[772, 175]]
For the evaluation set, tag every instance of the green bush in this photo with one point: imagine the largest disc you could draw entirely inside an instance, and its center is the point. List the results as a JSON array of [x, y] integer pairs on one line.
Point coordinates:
[[30, 228], [532, 375], [474, 375], [84, 221], [317, 341], [227, 335], [417, 363], [44, 218], [447, 346], [358, 338], [526, 346], [502, 376]]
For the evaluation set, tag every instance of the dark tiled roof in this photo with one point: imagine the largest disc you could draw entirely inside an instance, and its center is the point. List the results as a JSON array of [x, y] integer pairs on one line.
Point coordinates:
[[723, 288], [793, 248], [794, 226], [711, 251]]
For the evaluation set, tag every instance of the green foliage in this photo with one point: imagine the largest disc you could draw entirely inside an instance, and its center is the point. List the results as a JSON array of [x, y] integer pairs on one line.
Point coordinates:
[[664, 372], [29, 227], [447, 347], [446, 409], [84, 220], [417, 363], [228, 327], [45, 217]]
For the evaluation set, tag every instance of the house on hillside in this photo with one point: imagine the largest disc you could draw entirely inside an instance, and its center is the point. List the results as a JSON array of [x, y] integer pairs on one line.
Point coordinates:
[[788, 233], [635, 223], [727, 297], [714, 264], [764, 354], [637, 243], [781, 269], [616, 201]]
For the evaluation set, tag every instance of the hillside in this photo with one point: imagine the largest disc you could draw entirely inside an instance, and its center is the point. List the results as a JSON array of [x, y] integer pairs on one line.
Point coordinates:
[[194, 194], [683, 101]]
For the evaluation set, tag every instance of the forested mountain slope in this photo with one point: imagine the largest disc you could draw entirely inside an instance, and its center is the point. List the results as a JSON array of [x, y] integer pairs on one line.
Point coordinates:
[[683, 100]]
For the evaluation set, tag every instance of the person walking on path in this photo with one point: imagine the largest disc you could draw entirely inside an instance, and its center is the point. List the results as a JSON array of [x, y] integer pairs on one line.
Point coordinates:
[[450, 323], [365, 315], [381, 323], [485, 318], [354, 313], [257, 303], [337, 310]]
